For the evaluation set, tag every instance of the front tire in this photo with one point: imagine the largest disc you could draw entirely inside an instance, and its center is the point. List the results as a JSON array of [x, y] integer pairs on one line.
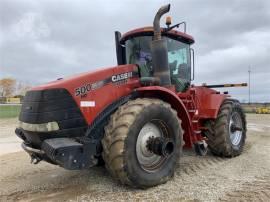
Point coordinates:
[[227, 134], [125, 151]]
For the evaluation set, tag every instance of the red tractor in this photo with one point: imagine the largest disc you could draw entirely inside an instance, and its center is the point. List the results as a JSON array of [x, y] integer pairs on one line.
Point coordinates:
[[135, 117]]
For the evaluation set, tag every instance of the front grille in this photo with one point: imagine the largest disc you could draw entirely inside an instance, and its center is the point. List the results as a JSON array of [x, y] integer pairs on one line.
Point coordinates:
[[52, 105]]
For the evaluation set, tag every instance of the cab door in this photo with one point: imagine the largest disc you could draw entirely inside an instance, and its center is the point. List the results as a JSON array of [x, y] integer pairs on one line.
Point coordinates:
[[179, 63]]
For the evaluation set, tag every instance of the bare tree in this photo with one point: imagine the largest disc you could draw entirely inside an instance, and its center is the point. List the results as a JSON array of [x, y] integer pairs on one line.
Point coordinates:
[[22, 88], [7, 86]]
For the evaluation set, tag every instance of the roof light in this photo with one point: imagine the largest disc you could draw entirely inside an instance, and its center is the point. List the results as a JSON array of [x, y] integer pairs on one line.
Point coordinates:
[[168, 21]]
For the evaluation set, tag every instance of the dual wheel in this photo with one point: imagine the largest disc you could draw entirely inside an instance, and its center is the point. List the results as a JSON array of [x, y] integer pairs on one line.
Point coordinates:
[[143, 140]]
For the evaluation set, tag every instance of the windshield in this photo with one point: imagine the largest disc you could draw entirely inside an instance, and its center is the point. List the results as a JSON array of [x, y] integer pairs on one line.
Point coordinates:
[[138, 52]]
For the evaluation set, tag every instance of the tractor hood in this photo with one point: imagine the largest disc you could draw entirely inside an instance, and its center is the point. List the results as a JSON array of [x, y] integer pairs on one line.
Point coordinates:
[[87, 93], [107, 75]]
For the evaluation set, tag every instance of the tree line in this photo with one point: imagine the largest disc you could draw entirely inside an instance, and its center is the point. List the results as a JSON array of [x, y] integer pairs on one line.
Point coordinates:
[[10, 87]]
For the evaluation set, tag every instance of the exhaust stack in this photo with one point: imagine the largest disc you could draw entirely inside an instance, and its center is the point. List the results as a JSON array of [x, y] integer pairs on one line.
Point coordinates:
[[160, 51]]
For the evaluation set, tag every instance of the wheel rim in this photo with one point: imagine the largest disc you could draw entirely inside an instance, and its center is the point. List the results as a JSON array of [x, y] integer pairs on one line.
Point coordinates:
[[235, 122], [148, 160]]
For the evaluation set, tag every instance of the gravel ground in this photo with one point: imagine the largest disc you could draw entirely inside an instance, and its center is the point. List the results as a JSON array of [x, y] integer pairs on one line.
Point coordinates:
[[209, 178], [9, 142]]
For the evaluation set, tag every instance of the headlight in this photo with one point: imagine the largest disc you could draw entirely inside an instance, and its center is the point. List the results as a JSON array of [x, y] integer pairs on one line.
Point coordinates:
[[42, 127]]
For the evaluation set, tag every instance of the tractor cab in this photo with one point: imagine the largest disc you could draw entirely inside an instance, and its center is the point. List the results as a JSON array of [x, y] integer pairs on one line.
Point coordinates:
[[134, 47]]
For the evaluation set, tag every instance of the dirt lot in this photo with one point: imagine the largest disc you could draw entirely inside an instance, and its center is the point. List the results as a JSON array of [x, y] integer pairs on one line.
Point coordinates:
[[208, 178]]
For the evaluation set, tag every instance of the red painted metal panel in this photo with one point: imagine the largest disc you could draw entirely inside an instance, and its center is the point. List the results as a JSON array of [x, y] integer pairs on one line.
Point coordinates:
[[102, 96], [208, 101]]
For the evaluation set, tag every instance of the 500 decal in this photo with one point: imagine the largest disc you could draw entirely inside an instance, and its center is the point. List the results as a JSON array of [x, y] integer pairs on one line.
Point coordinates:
[[88, 87], [116, 79]]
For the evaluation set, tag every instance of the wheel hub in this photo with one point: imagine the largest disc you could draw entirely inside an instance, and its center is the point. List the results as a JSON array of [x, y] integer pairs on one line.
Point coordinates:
[[148, 159], [235, 128], [160, 146]]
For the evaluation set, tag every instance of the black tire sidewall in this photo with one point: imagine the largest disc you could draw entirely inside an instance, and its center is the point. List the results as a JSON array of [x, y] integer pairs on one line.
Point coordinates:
[[236, 148], [135, 172]]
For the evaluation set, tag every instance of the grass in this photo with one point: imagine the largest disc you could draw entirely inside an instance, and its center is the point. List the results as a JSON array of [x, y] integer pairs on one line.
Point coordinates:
[[9, 111]]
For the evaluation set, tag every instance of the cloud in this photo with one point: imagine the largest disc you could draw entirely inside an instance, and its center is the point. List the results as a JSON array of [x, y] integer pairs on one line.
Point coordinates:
[[44, 40], [31, 25]]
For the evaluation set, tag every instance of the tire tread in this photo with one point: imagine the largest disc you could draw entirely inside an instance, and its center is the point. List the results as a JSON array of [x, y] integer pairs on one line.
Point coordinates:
[[217, 130], [116, 133]]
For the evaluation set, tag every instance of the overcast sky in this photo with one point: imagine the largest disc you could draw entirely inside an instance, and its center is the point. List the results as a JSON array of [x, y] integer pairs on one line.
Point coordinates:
[[44, 40]]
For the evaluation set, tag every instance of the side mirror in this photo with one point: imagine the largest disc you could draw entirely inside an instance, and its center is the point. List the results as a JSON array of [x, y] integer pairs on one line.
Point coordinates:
[[120, 50], [192, 64]]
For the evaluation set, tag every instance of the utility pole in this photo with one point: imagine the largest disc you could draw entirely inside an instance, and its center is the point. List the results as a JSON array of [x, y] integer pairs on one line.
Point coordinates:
[[249, 71]]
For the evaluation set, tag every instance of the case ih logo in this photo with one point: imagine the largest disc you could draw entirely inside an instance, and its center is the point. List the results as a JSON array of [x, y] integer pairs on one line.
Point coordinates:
[[120, 77], [117, 79]]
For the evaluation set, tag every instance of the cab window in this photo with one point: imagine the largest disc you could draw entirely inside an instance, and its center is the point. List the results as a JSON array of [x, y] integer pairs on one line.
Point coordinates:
[[179, 59], [138, 51]]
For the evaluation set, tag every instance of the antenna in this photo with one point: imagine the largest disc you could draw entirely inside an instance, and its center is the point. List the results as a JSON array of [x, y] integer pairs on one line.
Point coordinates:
[[249, 71]]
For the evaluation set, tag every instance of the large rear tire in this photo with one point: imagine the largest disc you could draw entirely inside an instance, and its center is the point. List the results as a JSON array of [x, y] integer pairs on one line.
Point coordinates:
[[226, 135], [125, 145]]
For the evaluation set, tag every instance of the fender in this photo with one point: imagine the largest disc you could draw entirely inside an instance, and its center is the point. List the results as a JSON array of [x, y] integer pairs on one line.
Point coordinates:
[[209, 102], [217, 101], [95, 130], [102, 118], [176, 103]]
